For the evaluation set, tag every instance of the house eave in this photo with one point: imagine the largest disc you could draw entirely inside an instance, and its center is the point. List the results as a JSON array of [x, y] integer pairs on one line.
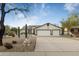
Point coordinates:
[[49, 23]]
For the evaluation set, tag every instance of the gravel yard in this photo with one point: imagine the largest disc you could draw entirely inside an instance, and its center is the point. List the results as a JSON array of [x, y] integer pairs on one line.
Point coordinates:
[[19, 47]]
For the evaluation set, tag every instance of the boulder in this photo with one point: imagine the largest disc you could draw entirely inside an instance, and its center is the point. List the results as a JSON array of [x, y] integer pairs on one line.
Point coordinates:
[[8, 45]]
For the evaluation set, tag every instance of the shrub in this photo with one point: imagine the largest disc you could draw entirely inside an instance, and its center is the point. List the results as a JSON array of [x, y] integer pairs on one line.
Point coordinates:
[[14, 42], [8, 45], [11, 33], [14, 29]]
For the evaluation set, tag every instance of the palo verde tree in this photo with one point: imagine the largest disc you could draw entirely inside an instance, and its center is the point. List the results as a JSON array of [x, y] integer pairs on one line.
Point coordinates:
[[14, 29], [3, 10], [7, 29], [71, 21]]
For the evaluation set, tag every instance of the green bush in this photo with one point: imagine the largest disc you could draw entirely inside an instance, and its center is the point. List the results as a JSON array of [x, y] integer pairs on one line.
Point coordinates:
[[14, 29], [11, 33]]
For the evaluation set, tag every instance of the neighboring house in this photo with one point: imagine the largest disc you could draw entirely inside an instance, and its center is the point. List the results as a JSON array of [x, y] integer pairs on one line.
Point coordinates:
[[48, 29], [75, 31], [31, 29]]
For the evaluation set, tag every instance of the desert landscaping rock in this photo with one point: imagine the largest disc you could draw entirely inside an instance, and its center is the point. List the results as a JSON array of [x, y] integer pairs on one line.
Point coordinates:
[[19, 47], [8, 45], [14, 42]]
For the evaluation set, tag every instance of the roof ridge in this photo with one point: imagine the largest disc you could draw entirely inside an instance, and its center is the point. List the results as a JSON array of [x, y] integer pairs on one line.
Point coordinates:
[[49, 23]]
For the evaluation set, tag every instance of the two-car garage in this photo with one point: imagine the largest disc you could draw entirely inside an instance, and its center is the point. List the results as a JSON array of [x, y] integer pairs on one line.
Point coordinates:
[[48, 32], [51, 30]]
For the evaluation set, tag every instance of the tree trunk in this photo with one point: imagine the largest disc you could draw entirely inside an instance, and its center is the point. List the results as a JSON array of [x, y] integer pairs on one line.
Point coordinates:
[[62, 31], [68, 32], [2, 30], [2, 27]]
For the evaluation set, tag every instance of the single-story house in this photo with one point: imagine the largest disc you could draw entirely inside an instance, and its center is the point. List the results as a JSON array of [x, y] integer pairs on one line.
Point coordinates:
[[47, 29], [75, 31], [31, 29]]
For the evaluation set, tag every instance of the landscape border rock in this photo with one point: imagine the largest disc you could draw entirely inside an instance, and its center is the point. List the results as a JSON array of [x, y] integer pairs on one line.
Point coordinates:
[[14, 42], [8, 45]]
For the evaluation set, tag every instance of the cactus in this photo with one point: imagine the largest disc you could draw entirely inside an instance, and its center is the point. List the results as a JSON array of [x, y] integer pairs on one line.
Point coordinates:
[[26, 31], [18, 32]]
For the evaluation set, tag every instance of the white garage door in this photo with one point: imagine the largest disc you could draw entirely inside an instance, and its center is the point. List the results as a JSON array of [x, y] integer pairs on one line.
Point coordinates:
[[56, 33], [43, 33]]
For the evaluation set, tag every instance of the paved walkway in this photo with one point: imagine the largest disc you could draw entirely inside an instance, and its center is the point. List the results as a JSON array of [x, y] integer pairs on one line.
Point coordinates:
[[56, 44]]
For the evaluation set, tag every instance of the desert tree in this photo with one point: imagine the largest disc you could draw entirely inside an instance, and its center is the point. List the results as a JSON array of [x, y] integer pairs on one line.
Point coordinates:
[[14, 29], [7, 29], [3, 10], [71, 21]]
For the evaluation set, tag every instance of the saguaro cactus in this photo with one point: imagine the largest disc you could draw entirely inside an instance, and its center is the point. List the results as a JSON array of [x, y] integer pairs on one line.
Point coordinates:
[[26, 31], [18, 32]]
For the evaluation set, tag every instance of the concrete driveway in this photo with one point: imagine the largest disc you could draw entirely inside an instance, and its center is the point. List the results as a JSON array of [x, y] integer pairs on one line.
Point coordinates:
[[56, 44]]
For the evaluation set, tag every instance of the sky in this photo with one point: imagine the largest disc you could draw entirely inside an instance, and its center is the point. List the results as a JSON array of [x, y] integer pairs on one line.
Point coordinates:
[[39, 13]]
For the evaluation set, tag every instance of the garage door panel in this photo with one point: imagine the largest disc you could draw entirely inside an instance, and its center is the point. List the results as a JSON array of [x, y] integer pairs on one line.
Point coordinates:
[[48, 33], [56, 33], [43, 33]]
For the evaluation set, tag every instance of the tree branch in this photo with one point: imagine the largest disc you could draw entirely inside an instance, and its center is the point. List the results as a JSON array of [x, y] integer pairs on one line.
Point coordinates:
[[16, 9]]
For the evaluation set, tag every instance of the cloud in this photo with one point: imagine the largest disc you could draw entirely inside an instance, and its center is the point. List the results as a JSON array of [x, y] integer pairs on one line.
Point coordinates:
[[20, 15], [29, 20], [44, 14], [70, 7], [32, 17], [42, 8], [43, 11], [10, 6], [43, 5]]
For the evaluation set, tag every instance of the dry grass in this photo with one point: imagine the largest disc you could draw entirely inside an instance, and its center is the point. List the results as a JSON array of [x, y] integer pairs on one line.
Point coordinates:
[[19, 47]]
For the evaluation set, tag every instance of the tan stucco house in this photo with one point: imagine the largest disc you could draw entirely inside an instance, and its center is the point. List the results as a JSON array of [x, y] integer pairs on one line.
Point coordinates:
[[46, 29], [75, 31]]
